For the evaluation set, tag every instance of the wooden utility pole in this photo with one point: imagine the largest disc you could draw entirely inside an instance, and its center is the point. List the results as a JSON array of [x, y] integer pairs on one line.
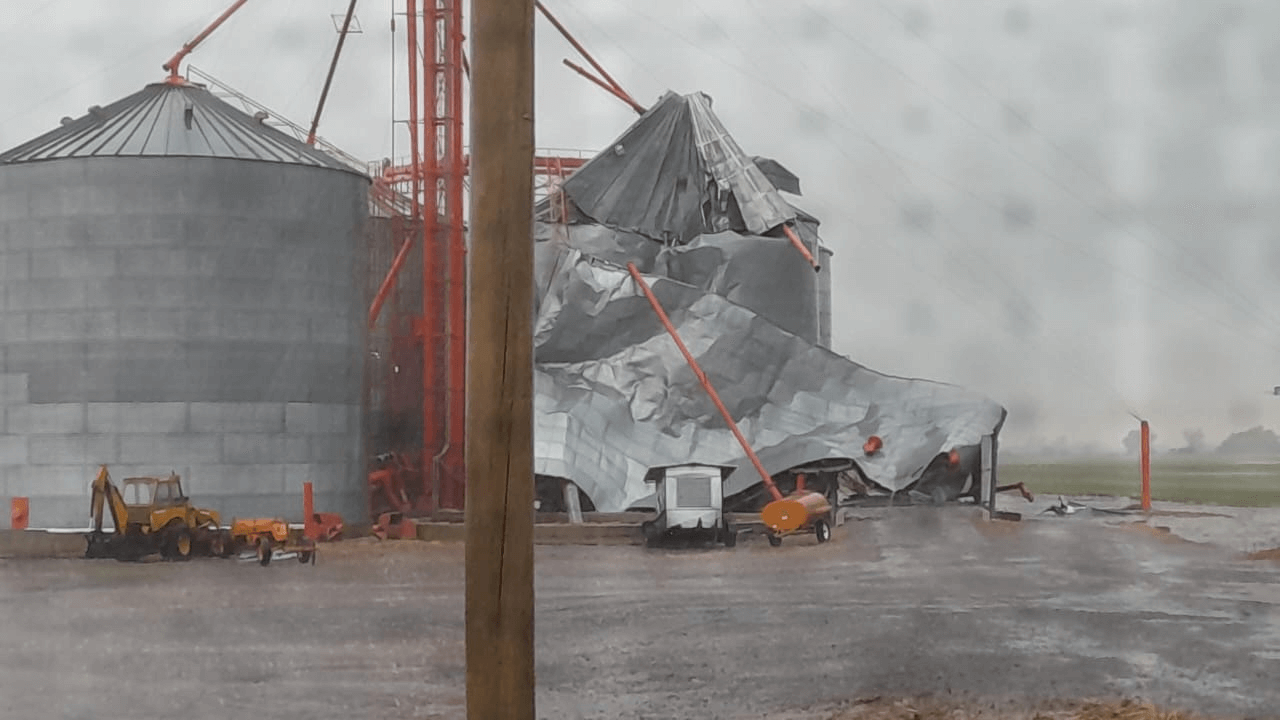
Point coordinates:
[[499, 450]]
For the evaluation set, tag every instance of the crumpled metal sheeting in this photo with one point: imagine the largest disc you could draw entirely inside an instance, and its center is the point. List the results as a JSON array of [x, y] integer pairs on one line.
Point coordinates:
[[598, 241], [763, 274], [617, 406], [580, 318], [553, 240]]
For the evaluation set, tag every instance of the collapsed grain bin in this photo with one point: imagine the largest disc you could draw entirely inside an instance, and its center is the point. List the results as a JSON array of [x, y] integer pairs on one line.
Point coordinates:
[[181, 292], [709, 229]]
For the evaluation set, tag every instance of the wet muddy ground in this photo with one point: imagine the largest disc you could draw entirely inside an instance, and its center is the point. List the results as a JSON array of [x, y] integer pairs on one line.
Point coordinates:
[[903, 602]]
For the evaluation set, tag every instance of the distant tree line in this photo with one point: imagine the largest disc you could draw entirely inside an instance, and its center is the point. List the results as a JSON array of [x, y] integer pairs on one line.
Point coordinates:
[[1254, 442]]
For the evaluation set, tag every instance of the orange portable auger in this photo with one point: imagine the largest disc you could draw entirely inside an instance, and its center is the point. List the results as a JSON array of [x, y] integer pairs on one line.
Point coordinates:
[[802, 511]]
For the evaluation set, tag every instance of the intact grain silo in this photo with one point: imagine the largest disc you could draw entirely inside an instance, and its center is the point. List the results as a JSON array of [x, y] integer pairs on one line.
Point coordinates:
[[181, 291]]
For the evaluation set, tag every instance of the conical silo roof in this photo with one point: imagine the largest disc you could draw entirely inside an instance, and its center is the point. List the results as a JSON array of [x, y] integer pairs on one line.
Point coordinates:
[[166, 120], [670, 176]]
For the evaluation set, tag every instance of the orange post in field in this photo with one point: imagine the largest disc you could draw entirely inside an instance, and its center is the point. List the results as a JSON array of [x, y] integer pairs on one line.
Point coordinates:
[[19, 513], [702, 379], [1146, 466]]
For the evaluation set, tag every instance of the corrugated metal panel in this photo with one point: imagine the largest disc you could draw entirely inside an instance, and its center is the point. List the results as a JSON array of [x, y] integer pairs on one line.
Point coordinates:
[[163, 120]]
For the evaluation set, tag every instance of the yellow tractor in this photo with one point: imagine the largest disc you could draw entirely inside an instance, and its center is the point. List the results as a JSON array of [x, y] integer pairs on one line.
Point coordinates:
[[151, 514]]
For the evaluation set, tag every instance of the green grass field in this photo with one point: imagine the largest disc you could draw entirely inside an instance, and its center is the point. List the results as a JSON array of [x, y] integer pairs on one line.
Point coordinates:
[[1192, 480]]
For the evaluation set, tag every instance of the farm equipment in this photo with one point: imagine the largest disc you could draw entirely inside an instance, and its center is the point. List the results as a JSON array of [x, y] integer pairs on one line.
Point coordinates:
[[801, 512], [690, 502], [267, 536], [388, 486], [150, 514]]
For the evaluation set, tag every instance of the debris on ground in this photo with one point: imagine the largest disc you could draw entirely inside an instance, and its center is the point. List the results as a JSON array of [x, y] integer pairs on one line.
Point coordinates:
[[1070, 507], [878, 708]]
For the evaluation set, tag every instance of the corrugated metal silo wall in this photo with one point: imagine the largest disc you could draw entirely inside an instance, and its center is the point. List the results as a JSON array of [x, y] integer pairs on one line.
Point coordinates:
[[824, 297], [197, 315]]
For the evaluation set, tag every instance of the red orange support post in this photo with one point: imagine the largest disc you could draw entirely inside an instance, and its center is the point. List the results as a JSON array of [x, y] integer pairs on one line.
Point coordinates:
[[308, 501], [622, 94], [415, 170], [432, 324], [375, 308], [455, 168], [702, 379], [1146, 467], [604, 85], [19, 513]]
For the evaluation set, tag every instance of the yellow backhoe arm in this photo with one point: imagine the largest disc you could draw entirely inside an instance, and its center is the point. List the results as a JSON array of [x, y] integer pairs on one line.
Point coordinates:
[[106, 493]]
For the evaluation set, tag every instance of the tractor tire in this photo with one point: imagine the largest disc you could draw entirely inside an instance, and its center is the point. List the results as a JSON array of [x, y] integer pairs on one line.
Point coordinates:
[[218, 544], [228, 544], [264, 552], [650, 531], [729, 536], [822, 531], [178, 543], [96, 546], [305, 556]]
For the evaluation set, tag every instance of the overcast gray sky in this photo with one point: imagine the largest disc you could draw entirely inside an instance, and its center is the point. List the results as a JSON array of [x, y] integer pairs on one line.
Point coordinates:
[[1067, 204]]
